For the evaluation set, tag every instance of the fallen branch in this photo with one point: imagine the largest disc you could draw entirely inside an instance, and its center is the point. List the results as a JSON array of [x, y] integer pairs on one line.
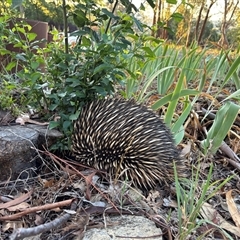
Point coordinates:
[[36, 209], [16, 201], [71, 169], [21, 233]]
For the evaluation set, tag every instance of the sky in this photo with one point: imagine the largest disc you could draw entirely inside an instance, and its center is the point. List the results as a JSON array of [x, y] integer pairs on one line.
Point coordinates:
[[217, 11], [137, 3]]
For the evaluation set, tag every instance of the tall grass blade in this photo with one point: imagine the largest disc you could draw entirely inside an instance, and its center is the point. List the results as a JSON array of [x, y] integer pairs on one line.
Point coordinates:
[[221, 125]]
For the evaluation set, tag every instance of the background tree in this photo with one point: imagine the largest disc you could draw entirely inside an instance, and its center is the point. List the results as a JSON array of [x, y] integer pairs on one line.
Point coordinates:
[[199, 32], [47, 11], [52, 12], [233, 33], [184, 27], [163, 16], [230, 7]]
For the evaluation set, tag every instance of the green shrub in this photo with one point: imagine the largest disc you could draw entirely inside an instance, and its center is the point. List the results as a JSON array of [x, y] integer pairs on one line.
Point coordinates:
[[76, 74]]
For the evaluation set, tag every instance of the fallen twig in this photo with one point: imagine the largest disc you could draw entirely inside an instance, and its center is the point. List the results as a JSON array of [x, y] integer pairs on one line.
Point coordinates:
[[229, 152], [21, 233], [16, 201], [37, 208], [71, 168]]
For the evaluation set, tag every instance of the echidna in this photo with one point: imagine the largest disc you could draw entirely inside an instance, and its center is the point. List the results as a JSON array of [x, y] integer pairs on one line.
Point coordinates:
[[126, 139]]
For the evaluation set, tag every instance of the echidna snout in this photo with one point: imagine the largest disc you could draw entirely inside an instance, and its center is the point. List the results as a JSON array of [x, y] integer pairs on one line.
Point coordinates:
[[122, 137]]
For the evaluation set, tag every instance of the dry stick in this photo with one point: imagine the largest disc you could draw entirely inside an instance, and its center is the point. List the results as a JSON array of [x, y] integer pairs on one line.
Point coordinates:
[[16, 201], [5, 199], [38, 208], [21, 233], [55, 158], [225, 148]]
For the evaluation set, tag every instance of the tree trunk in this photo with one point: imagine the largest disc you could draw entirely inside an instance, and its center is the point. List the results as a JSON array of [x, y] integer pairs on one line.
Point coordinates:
[[204, 23], [158, 34], [223, 41], [155, 17], [198, 20], [158, 18]]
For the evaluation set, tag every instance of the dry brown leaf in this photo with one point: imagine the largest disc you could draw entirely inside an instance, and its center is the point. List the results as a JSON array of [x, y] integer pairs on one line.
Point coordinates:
[[167, 202], [232, 208], [186, 148], [19, 207], [39, 220], [20, 120], [80, 185], [36, 209], [48, 184], [10, 225], [23, 118], [208, 212], [16, 201]]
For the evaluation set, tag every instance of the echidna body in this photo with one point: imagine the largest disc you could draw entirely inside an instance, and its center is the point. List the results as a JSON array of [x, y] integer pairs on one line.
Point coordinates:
[[126, 139]]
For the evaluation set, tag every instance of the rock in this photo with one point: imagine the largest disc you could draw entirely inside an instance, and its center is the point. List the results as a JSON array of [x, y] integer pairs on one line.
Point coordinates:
[[129, 227], [46, 136], [18, 146], [5, 117]]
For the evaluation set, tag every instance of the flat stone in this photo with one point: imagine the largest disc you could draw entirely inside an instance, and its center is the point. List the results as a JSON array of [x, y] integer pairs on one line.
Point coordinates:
[[18, 146], [17, 152], [126, 227], [46, 136]]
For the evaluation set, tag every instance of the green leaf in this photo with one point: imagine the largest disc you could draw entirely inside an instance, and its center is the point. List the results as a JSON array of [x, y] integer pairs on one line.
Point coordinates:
[[172, 1], [142, 7], [234, 95], [67, 124], [101, 67], [53, 124], [108, 13], [31, 36], [170, 97], [223, 122], [4, 51], [34, 65], [10, 66], [133, 36], [178, 137], [75, 116], [149, 51], [52, 107], [62, 94], [178, 17], [35, 76], [21, 56], [233, 69], [151, 3], [79, 18]]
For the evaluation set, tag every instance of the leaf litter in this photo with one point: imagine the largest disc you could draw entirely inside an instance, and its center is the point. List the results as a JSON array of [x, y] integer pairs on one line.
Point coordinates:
[[67, 198]]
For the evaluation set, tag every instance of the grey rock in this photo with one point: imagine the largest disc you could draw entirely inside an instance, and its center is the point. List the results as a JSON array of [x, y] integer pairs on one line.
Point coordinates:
[[126, 227], [5, 117], [46, 136], [17, 152], [18, 146]]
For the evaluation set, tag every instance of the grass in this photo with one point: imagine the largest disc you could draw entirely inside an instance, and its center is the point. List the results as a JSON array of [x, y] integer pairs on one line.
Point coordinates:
[[179, 76], [191, 196], [184, 79]]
